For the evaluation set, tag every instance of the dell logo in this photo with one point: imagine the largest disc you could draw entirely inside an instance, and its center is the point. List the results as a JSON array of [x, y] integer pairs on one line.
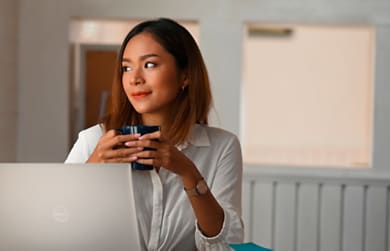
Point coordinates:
[[60, 214]]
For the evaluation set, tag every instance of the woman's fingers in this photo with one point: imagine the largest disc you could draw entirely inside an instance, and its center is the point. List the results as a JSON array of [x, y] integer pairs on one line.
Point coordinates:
[[121, 160], [117, 140], [145, 143], [150, 149], [121, 152], [151, 136], [111, 148]]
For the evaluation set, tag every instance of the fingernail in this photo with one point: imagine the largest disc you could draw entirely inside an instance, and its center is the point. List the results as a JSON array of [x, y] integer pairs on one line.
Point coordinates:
[[129, 143]]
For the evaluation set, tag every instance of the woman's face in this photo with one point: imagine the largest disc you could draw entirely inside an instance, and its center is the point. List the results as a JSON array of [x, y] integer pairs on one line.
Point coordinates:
[[150, 77]]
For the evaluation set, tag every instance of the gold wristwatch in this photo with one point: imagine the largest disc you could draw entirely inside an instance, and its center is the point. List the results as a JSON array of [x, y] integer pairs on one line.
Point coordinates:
[[201, 188]]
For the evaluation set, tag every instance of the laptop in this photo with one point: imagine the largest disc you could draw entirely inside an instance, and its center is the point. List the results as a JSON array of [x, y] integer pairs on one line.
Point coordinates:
[[67, 207]]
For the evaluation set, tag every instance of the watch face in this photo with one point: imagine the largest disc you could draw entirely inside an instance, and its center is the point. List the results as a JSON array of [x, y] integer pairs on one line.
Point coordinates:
[[202, 187]]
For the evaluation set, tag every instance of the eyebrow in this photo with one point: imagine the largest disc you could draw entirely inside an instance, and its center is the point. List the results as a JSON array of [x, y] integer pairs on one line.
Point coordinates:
[[143, 57]]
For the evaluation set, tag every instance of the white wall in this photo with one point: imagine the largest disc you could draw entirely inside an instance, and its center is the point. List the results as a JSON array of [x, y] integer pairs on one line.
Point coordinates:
[[8, 84], [44, 57]]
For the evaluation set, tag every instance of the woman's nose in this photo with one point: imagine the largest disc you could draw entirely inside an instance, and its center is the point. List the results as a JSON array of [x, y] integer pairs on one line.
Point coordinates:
[[137, 81], [137, 77]]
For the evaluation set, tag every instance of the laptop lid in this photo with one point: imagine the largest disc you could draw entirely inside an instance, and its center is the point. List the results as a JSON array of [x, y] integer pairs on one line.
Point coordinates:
[[67, 207]]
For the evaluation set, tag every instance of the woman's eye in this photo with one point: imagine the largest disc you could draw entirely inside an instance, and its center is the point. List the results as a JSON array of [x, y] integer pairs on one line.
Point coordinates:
[[126, 68], [150, 65]]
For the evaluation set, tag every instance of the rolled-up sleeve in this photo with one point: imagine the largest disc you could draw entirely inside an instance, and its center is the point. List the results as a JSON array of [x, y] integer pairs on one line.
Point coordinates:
[[226, 187]]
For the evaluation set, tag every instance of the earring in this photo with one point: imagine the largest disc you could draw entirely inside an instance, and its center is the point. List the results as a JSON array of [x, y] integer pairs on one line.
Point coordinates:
[[183, 87]]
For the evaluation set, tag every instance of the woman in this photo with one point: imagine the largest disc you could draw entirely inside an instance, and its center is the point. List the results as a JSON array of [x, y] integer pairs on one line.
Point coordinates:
[[192, 199]]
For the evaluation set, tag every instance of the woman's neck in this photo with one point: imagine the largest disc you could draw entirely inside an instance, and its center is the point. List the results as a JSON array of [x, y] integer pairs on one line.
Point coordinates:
[[149, 119]]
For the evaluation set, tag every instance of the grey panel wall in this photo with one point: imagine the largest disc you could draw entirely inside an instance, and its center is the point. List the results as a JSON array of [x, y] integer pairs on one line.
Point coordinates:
[[312, 209]]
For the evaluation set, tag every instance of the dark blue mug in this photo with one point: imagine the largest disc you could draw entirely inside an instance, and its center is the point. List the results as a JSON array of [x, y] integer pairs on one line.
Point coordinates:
[[141, 129]]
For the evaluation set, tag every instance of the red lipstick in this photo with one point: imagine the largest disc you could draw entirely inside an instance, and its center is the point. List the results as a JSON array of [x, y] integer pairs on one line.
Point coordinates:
[[140, 94]]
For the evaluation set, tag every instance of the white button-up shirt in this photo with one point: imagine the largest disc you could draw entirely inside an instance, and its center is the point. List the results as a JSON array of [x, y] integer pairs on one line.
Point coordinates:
[[166, 219]]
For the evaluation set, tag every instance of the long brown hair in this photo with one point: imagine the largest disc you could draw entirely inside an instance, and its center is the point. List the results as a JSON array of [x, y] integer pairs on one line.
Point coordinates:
[[192, 105]]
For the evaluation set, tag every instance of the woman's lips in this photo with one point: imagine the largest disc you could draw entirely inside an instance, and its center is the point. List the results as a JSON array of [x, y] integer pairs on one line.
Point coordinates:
[[140, 94]]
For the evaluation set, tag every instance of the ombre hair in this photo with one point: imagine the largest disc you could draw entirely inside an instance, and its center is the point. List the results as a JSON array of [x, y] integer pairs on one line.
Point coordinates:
[[192, 104]]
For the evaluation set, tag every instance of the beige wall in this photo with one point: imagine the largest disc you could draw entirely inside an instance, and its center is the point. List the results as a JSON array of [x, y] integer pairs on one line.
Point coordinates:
[[8, 85], [312, 94]]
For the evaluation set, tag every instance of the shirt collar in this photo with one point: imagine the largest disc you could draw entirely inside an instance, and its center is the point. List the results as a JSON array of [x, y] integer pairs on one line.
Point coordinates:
[[198, 137]]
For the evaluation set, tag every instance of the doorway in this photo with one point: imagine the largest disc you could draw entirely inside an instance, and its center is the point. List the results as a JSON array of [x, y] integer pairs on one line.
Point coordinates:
[[91, 91]]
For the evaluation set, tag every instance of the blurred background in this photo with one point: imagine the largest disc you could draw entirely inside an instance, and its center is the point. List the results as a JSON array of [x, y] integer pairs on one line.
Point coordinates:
[[304, 84], [298, 82]]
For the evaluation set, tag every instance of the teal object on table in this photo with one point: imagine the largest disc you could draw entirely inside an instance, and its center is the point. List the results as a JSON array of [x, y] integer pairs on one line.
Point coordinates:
[[249, 246]]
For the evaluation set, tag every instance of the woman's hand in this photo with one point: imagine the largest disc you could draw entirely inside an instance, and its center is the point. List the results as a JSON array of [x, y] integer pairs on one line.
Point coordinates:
[[111, 148], [162, 153]]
